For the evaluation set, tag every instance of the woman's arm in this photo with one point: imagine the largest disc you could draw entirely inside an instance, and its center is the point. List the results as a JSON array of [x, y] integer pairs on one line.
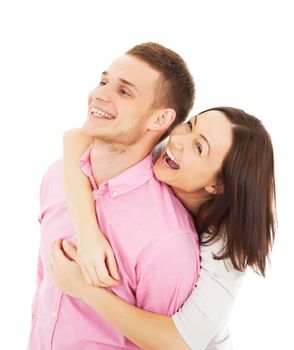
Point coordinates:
[[95, 255], [205, 312], [146, 329], [75, 143]]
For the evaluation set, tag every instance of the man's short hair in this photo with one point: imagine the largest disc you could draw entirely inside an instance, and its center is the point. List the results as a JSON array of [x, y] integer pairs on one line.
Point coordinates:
[[176, 89]]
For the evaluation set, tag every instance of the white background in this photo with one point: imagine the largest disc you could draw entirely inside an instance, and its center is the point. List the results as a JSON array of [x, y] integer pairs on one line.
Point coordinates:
[[52, 54]]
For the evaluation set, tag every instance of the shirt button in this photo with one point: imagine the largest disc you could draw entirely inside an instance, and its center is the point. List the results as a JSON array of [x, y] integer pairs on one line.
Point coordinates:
[[114, 194], [54, 314]]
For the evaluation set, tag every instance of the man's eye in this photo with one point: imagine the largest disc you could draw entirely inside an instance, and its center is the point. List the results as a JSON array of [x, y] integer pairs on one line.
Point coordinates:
[[199, 147], [123, 92]]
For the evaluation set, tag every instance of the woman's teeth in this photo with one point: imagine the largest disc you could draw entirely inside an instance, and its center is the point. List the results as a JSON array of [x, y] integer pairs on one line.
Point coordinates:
[[170, 160], [100, 114], [171, 156]]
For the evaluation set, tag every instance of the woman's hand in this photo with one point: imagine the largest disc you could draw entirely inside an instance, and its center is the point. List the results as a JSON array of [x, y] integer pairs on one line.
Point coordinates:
[[96, 259], [66, 273]]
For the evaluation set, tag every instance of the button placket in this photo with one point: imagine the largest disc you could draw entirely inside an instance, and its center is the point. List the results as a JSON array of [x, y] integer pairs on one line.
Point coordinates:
[[55, 316]]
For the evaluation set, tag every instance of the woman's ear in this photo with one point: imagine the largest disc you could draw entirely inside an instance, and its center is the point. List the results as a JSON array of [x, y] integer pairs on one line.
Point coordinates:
[[214, 189], [162, 120]]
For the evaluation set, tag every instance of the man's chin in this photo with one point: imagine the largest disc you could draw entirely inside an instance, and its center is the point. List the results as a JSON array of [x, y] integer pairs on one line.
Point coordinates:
[[91, 130], [87, 129], [98, 135]]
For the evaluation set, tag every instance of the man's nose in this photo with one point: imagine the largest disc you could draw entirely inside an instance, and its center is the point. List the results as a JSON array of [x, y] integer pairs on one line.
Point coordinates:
[[101, 93]]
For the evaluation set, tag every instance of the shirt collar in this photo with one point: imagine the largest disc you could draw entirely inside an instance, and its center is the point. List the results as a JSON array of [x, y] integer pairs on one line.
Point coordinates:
[[128, 180]]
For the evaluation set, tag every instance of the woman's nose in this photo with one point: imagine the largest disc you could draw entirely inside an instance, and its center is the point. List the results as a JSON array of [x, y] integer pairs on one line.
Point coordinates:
[[182, 140], [177, 142]]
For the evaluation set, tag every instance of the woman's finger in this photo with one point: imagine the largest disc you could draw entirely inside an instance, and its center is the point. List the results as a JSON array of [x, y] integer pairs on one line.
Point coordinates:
[[105, 279], [111, 265], [86, 275]]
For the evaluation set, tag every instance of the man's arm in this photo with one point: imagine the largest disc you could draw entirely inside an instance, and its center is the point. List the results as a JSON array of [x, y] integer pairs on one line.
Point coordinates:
[[40, 274], [40, 269], [167, 274]]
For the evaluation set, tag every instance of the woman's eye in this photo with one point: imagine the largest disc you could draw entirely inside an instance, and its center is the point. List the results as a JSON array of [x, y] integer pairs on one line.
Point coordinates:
[[199, 147], [189, 124], [102, 83]]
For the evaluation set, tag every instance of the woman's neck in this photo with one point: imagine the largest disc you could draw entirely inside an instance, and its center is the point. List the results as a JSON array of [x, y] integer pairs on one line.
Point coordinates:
[[191, 200]]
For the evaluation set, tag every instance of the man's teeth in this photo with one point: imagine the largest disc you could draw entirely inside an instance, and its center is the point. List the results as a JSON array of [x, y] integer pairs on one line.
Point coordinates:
[[100, 114], [168, 152]]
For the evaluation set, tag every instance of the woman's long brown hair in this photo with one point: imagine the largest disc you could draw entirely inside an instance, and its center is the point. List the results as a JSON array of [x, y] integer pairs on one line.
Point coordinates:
[[244, 213]]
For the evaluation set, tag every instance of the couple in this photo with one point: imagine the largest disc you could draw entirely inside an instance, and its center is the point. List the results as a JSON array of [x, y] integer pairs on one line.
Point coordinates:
[[124, 284]]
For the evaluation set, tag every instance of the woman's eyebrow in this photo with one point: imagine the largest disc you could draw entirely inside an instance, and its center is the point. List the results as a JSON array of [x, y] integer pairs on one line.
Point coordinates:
[[204, 138]]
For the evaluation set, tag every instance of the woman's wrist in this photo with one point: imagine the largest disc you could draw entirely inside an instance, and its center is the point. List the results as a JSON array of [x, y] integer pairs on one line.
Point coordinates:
[[91, 293], [88, 230]]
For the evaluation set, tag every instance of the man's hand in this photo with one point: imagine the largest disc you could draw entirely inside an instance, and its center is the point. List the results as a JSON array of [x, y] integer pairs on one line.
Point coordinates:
[[96, 259], [66, 273]]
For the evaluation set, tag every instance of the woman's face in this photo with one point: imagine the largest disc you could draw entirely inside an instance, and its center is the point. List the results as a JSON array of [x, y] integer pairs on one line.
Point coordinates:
[[195, 152]]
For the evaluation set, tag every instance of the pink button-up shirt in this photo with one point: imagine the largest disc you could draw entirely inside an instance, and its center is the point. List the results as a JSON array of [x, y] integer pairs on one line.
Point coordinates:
[[155, 246]]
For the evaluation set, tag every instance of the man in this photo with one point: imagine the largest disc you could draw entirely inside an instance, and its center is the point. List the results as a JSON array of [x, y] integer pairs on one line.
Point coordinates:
[[140, 97]]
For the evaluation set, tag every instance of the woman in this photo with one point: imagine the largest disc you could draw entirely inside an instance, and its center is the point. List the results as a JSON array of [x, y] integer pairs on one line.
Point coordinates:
[[234, 218]]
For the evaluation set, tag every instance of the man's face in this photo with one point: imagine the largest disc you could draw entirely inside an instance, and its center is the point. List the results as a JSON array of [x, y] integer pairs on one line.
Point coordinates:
[[119, 107]]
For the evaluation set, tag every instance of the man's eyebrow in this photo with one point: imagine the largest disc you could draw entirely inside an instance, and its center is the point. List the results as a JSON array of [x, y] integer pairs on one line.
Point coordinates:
[[202, 136], [124, 81]]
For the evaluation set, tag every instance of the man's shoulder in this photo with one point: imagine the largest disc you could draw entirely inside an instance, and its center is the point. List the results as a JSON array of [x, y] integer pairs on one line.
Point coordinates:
[[53, 178], [168, 207], [55, 167], [54, 170]]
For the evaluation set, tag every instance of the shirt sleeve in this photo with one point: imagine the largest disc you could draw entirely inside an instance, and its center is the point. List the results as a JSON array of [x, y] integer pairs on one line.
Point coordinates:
[[40, 270], [39, 278], [208, 307], [168, 274]]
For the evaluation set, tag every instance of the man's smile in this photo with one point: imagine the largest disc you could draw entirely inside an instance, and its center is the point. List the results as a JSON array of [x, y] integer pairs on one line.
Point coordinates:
[[99, 113]]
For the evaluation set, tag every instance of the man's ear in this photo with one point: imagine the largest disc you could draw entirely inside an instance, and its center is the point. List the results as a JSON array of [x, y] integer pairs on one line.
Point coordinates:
[[214, 188], [162, 120]]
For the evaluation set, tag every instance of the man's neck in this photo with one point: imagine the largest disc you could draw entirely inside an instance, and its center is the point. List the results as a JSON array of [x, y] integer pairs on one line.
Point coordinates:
[[108, 161]]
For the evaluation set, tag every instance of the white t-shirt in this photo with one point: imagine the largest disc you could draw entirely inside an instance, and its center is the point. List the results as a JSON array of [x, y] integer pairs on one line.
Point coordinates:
[[203, 319]]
